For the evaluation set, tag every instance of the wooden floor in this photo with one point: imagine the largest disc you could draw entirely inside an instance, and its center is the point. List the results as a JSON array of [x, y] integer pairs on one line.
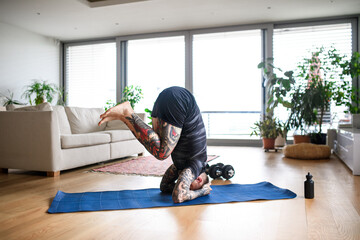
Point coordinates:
[[332, 214]]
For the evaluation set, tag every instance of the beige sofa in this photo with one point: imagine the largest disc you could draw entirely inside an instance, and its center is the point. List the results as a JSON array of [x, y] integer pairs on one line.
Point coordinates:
[[57, 138]]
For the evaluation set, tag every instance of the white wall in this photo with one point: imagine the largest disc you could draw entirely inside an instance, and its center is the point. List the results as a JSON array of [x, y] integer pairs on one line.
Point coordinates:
[[25, 56]]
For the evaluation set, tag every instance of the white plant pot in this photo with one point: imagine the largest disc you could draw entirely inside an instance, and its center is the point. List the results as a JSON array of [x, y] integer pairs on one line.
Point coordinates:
[[355, 119], [331, 137], [280, 141]]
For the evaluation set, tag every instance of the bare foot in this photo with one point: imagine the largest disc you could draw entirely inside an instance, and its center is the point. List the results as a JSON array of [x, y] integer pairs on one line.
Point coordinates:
[[119, 112]]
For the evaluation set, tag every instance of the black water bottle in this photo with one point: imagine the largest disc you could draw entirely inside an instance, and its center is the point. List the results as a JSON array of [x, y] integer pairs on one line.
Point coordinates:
[[309, 186]]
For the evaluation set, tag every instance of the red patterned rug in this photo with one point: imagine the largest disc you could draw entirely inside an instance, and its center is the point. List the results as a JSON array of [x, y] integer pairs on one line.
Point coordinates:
[[145, 166]]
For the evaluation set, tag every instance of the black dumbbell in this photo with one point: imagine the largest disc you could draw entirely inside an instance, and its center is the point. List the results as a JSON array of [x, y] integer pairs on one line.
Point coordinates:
[[219, 170], [228, 172], [214, 171]]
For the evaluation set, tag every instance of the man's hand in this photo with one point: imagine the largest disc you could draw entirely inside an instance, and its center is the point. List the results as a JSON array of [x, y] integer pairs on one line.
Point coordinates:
[[206, 188], [119, 112], [182, 190]]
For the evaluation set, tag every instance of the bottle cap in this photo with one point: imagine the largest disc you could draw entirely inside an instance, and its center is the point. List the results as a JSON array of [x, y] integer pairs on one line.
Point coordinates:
[[309, 176]]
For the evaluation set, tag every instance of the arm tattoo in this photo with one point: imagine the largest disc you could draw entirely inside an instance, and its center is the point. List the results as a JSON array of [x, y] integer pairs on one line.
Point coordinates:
[[168, 181], [182, 190], [160, 143]]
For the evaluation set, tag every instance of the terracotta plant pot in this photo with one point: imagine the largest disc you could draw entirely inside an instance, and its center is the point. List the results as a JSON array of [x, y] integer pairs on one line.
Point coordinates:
[[301, 139], [268, 143]]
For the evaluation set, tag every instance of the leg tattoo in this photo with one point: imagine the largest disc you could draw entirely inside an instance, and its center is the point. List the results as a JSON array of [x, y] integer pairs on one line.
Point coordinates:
[[168, 181]]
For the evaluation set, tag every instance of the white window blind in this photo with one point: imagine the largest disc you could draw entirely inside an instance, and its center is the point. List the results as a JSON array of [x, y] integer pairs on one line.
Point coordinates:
[[291, 45], [90, 74]]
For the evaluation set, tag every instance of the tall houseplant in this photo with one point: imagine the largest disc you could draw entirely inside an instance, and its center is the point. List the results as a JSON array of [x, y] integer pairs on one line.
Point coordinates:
[[42, 91], [326, 80], [283, 90], [321, 74]]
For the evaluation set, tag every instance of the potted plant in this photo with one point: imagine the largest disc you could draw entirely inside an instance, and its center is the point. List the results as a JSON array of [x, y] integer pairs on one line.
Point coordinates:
[[300, 117], [309, 97], [350, 96], [353, 104], [62, 96], [320, 73], [268, 128], [42, 90], [283, 90], [131, 94], [327, 70], [9, 100], [280, 140]]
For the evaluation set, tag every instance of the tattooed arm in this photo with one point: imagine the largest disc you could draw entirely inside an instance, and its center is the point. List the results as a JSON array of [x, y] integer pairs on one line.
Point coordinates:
[[182, 190], [160, 141]]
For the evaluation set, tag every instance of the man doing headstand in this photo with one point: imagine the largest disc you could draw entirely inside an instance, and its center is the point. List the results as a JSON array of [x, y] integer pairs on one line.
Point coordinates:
[[178, 130]]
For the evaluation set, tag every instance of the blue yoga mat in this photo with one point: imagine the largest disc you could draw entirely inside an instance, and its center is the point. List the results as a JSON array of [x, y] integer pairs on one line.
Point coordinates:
[[150, 198]]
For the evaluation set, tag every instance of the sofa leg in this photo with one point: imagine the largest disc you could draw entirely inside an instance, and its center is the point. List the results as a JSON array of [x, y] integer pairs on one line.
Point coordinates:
[[140, 154], [4, 170], [53, 174]]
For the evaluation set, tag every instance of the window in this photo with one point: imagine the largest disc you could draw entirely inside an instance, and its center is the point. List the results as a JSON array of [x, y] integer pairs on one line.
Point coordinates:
[[227, 83], [155, 64], [292, 44], [90, 74], [219, 65]]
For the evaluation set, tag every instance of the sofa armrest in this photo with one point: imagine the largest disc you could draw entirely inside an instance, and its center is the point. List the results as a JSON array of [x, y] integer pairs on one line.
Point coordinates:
[[30, 141]]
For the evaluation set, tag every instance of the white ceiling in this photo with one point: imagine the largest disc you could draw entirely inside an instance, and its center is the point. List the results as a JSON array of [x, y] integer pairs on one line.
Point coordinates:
[[68, 20]]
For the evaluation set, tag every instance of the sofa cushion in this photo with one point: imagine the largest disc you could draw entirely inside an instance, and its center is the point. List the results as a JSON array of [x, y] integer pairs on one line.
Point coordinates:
[[84, 120], [120, 125], [41, 107], [62, 119], [116, 125], [120, 135], [83, 140]]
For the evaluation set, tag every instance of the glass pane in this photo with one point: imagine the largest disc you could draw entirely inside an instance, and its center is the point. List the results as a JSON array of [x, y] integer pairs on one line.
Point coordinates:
[[91, 74], [155, 64], [226, 79]]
